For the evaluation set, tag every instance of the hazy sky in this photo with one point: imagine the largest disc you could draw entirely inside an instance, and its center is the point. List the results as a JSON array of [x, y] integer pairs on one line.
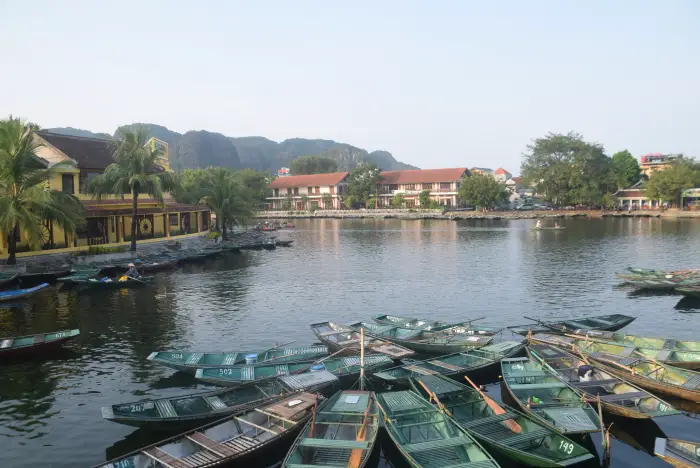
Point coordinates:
[[437, 83]]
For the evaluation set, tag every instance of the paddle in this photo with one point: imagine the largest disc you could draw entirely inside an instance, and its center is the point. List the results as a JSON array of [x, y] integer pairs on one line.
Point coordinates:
[[356, 455], [433, 396], [512, 425]]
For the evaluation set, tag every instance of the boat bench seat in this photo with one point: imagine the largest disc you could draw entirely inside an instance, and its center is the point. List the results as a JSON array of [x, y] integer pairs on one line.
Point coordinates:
[[524, 437], [437, 444], [335, 444], [527, 374], [537, 386], [595, 383], [488, 420], [623, 396]]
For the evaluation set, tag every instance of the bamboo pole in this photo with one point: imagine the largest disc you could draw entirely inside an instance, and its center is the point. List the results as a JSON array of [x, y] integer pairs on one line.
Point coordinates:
[[362, 359]]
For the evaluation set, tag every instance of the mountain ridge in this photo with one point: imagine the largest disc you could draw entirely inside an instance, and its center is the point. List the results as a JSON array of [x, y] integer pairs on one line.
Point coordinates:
[[200, 148]]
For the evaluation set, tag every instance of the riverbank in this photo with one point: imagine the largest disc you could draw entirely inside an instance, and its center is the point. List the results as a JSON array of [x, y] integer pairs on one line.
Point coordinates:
[[460, 215]]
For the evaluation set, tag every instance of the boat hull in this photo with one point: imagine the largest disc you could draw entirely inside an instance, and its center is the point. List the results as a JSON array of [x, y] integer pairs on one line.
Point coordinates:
[[7, 296], [37, 348]]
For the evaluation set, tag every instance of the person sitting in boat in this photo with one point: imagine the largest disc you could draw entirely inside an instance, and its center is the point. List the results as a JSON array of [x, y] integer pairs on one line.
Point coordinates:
[[585, 373], [556, 225], [538, 224], [132, 272]]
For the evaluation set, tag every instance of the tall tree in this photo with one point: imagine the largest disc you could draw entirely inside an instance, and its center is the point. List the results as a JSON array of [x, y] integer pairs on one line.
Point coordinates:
[[228, 197], [424, 198], [482, 190], [313, 165], [566, 169], [25, 201], [362, 185], [397, 200], [135, 171], [669, 183], [625, 169]]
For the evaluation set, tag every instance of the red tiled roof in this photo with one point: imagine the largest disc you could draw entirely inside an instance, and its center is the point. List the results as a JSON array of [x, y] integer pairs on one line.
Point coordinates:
[[309, 180], [501, 171], [423, 175], [630, 193], [516, 179]]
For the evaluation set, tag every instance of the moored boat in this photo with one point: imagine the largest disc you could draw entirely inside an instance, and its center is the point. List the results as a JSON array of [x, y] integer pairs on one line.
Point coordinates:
[[680, 453], [662, 284], [188, 361], [689, 291], [522, 439], [685, 359], [118, 283], [13, 346], [616, 395], [406, 322], [539, 392], [342, 432], [341, 337], [426, 437], [8, 278], [230, 440], [284, 243], [79, 273], [269, 244], [649, 272], [453, 365], [14, 294], [347, 369], [548, 228], [612, 322], [424, 341], [187, 411]]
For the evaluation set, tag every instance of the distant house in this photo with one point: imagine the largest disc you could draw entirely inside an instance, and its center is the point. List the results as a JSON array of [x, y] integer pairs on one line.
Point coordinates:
[[314, 186], [481, 170], [442, 184], [514, 184], [635, 199], [502, 175], [657, 162]]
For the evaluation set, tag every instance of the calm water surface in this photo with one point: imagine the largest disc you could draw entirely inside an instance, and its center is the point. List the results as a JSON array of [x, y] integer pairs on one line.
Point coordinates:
[[341, 270]]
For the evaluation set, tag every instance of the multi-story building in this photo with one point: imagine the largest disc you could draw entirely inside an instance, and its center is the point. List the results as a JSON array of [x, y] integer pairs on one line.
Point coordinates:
[[312, 191], [656, 161], [502, 175], [442, 184], [77, 161]]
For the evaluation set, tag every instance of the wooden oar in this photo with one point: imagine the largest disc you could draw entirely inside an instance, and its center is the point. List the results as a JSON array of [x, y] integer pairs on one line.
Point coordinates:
[[283, 344], [497, 409], [356, 454], [433, 396]]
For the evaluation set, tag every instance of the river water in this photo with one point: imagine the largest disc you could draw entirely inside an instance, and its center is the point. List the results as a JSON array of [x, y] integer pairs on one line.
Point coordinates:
[[343, 270]]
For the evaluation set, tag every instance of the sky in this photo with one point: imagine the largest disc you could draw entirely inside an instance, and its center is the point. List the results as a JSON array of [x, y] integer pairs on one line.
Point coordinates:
[[436, 83]]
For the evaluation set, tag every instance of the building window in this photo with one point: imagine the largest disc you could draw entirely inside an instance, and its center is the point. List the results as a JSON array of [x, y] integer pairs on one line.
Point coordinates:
[[331, 189], [427, 186], [173, 220], [67, 183], [317, 190], [296, 190], [410, 187], [445, 185], [277, 192], [309, 190]]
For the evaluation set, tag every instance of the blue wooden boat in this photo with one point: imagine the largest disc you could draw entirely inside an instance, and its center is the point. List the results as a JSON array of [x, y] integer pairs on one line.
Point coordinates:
[[15, 294]]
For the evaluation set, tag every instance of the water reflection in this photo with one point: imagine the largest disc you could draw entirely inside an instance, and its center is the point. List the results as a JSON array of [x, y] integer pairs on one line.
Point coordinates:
[[336, 270]]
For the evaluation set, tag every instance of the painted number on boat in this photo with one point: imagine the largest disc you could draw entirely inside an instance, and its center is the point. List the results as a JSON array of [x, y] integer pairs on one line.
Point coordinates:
[[177, 356], [663, 407], [518, 367], [566, 447], [60, 335], [225, 371]]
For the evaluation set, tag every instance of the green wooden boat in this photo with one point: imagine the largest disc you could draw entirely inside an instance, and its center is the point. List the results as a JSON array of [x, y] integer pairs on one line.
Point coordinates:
[[80, 273], [685, 359], [612, 322], [426, 437], [424, 341], [95, 284], [648, 272], [680, 453], [187, 411], [31, 344], [539, 392], [453, 365], [662, 284], [407, 322], [191, 361], [345, 341], [341, 433], [661, 378], [616, 395], [346, 368], [232, 440], [7, 278], [535, 445]]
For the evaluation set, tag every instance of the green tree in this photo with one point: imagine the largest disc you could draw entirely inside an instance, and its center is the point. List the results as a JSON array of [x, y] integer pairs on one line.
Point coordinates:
[[256, 183], [398, 200], [135, 171], [327, 201], [228, 197], [25, 201], [190, 189], [305, 202], [625, 169], [669, 183], [288, 202], [424, 198], [362, 185], [483, 191], [313, 165], [567, 170]]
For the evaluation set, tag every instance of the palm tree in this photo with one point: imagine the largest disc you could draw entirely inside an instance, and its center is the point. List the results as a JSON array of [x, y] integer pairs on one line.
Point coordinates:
[[25, 201], [228, 197], [135, 171]]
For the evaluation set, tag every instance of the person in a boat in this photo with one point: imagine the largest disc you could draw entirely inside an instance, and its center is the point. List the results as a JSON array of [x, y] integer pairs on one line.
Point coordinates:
[[538, 224], [585, 373], [556, 225], [132, 272]]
